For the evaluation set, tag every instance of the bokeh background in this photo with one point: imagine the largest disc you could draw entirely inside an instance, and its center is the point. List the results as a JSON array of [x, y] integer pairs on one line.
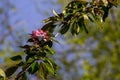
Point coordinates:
[[93, 56]]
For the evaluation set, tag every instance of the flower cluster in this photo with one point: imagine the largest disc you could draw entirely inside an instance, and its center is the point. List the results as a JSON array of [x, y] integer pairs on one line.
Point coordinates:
[[40, 35]]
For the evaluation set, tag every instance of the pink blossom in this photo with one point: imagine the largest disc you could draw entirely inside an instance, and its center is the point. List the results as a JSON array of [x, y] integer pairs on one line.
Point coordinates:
[[40, 34]]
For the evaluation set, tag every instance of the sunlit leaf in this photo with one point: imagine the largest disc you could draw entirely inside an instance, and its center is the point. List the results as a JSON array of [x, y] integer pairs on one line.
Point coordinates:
[[55, 13], [85, 17], [49, 66], [43, 71], [2, 75]]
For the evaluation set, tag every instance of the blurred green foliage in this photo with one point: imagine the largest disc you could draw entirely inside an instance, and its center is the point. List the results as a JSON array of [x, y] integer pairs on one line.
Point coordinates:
[[96, 54]]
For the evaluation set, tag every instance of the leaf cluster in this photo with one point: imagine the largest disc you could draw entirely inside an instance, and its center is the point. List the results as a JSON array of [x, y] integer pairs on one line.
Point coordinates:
[[77, 14], [36, 61]]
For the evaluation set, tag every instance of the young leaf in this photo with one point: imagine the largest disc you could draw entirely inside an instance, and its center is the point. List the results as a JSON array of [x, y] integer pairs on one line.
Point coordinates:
[[55, 67], [16, 58], [43, 71], [11, 70], [49, 66], [55, 13]]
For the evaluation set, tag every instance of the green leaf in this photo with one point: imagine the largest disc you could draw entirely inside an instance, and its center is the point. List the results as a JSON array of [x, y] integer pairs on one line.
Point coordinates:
[[80, 23], [49, 27], [11, 70], [16, 58], [50, 66], [72, 26], [75, 29], [43, 71], [33, 68], [55, 67], [106, 11], [64, 28]]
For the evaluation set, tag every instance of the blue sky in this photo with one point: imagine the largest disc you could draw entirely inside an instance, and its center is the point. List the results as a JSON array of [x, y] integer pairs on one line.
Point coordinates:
[[29, 14]]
